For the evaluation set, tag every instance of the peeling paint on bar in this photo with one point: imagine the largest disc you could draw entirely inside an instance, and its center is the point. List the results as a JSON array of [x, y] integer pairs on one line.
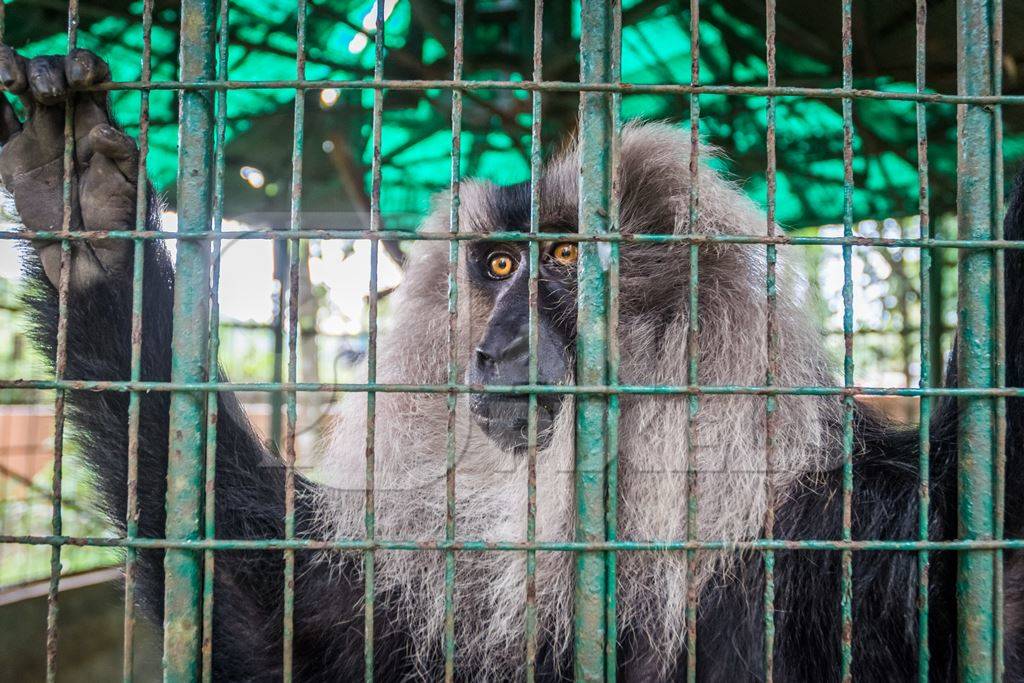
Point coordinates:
[[517, 389], [472, 545], [189, 349], [533, 341], [514, 236], [592, 341], [135, 399], [771, 347], [927, 330], [975, 368], [568, 86], [191, 545]]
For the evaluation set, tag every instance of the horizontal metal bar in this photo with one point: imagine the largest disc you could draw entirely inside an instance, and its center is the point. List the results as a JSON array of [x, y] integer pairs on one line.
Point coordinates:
[[513, 546], [513, 236], [516, 390], [561, 86]]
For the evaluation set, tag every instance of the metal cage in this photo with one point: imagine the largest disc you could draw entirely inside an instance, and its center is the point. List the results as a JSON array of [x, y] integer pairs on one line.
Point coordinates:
[[190, 543]]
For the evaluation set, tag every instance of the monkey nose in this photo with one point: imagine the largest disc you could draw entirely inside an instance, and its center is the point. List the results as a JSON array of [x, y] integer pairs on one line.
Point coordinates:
[[490, 353]]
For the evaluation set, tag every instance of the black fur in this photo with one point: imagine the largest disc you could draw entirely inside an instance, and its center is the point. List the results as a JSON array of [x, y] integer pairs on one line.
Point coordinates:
[[247, 639]]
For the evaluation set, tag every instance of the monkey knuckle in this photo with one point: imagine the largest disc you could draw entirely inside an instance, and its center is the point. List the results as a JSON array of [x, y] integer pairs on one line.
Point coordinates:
[[12, 70], [84, 68]]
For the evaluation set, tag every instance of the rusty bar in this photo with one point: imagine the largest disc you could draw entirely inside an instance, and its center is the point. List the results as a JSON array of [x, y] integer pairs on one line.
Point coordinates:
[[60, 365], [928, 377], [295, 223], [189, 348], [846, 578], [692, 352], [592, 343], [212, 408], [614, 411], [453, 351], [135, 372], [772, 347], [999, 341], [975, 367], [518, 389], [369, 599], [518, 236], [477, 545], [531, 416], [625, 88]]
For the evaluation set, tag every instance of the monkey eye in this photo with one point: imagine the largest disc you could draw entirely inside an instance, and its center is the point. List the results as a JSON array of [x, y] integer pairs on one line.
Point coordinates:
[[500, 265], [565, 253]]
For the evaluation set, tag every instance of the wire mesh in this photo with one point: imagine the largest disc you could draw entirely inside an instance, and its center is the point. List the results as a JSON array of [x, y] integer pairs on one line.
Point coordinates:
[[191, 541]]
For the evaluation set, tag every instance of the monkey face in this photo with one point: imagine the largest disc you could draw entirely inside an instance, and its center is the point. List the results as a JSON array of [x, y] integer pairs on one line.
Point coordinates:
[[500, 271]]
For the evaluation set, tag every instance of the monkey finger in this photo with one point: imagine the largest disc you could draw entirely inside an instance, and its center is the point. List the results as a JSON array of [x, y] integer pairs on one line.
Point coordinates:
[[83, 69], [46, 80], [9, 123], [107, 141], [14, 75], [12, 70]]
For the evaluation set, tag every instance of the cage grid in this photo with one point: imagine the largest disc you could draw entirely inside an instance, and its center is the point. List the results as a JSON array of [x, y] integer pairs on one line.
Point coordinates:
[[191, 541]]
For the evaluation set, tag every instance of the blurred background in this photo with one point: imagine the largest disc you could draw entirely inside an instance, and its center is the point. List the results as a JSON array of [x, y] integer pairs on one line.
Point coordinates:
[[334, 274]]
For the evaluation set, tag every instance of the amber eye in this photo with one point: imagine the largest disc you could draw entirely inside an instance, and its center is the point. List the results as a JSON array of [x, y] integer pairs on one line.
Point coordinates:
[[564, 253], [500, 265]]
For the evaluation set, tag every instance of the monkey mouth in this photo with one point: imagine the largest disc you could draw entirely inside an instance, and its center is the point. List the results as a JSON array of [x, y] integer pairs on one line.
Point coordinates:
[[505, 419]]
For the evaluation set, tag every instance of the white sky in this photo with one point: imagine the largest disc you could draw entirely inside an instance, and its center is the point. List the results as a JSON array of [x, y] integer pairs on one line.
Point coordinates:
[[247, 286]]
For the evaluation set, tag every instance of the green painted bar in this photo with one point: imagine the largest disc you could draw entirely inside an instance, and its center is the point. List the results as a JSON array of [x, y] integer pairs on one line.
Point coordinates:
[[999, 340], [931, 356], [564, 86], [294, 256], [692, 349], [135, 372], [212, 407], [611, 652], [517, 389], [515, 236], [591, 346], [771, 345], [370, 512], [530, 615], [975, 220], [472, 545], [846, 577], [458, 21], [189, 348]]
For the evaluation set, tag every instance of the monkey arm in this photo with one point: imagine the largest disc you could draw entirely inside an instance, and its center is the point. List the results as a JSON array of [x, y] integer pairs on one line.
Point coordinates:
[[250, 482]]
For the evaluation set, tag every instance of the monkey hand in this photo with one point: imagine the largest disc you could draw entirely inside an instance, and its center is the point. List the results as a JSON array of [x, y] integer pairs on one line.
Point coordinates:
[[105, 161]]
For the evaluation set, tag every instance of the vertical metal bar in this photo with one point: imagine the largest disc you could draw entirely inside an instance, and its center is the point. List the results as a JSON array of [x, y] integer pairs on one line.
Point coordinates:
[[692, 352], [295, 223], [999, 317], [772, 347], [612, 483], [976, 128], [531, 417], [60, 365], [371, 351], [846, 579], [212, 408], [134, 399], [927, 331], [453, 364], [975, 220], [591, 345], [189, 346]]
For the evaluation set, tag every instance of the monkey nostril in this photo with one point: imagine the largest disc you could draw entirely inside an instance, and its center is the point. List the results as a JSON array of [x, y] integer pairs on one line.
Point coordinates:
[[483, 357]]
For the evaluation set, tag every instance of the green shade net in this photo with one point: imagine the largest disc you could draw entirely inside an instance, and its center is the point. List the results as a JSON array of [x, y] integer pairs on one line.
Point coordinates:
[[416, 134]]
